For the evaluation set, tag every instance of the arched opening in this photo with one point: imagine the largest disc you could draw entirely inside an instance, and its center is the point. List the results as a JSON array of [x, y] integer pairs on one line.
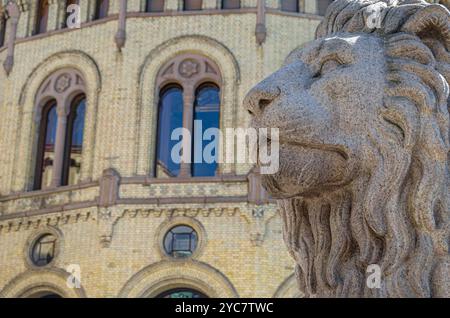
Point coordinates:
[[45, 295], [74, 142], [178, 293], [206, 117], [46, 146], [170, 117]]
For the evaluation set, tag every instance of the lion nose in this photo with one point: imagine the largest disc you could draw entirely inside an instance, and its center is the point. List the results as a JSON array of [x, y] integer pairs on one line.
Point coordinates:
[[260, 97]]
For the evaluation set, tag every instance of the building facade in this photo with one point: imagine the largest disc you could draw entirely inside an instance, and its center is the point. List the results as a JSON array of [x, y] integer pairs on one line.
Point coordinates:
[[91, 204]]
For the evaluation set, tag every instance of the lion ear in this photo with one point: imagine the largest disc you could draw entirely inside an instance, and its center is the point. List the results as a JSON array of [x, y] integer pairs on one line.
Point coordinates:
[[430, 22]]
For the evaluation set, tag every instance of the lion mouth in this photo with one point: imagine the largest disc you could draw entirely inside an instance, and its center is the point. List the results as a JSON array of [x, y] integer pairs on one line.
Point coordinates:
[[341, 151]]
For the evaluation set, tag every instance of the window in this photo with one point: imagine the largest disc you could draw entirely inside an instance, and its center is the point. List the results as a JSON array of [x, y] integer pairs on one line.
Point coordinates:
[[42, 17], [155, 6], [192, 106], [46, 147], [182, 293], [289, 5], [231, 4], [206, 112], [68, 14], [74, 142], [59, 137], [322, 6], [101, 9], [3, 22], [170, 117], [180, 241], [43, 250], [192, 5]]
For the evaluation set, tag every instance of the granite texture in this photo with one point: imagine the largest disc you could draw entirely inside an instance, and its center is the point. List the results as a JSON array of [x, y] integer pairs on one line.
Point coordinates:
[[364, 142]]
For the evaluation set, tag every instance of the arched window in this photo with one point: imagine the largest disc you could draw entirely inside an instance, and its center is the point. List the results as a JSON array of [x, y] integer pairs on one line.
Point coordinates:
[[194, 105], [290, 5], [231, 4], [67, 14], [182, 293], [74, 142], [46, 146], [101, 9], [192, 5], [322, 6], [154, 6], [170, 117], [206, 115], [60, 130], [42, 17]]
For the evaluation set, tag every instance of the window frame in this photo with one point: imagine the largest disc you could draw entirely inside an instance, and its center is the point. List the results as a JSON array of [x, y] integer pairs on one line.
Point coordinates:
[[42, 135], [99, 14], [39, 29], [190, 71], [69, 134]]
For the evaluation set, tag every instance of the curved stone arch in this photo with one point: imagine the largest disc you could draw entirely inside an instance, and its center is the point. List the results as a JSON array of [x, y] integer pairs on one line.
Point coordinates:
[[148, 92], [166, 275], [81, 63], [288, 288], [32, 282]]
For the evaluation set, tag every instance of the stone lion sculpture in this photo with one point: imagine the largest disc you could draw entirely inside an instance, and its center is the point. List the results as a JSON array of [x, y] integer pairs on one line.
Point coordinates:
[[364, 126]]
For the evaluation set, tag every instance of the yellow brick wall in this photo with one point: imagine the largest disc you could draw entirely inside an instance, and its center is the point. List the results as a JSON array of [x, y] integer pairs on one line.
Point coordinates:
[[242, 255]]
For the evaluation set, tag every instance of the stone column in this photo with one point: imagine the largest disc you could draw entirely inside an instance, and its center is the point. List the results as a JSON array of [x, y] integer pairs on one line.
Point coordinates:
[[261, 30], [188, 123], [121, 35], [59, 144], [14, 14]]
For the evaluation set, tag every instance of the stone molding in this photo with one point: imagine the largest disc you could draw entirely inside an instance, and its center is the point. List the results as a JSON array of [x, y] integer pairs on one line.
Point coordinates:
[[159, 277]]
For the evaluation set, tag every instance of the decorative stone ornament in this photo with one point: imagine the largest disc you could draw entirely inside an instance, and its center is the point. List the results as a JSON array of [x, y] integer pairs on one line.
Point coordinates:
[[13, 13], [364, 167]]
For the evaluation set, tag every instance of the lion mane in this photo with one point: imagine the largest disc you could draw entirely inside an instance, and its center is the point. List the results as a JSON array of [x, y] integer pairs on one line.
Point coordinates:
[[398, 217]]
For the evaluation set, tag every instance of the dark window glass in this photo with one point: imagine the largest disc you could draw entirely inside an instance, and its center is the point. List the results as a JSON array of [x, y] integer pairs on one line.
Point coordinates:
[[3, 22], [68, 3], [155, 6], [289, 5], [101, 10], [206, 113], [192, 5], [180, 241], [42, 17], [74, 142], [322, 6], [170, 117], [46, 147], [231, 4], [49, 296], [43, 250], [182, 293]]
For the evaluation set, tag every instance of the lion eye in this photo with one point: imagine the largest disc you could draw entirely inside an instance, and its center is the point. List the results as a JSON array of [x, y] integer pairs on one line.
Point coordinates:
[[329, 66]]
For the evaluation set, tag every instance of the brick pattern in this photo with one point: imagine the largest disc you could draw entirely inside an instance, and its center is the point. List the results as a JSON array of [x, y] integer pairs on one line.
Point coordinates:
[[117, 246]]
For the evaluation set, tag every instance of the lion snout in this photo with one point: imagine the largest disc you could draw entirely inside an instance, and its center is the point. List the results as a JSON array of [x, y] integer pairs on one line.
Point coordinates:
[[260, 97]]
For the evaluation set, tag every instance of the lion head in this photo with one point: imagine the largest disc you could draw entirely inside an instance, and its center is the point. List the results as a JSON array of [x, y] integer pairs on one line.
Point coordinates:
[[364, 149]]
